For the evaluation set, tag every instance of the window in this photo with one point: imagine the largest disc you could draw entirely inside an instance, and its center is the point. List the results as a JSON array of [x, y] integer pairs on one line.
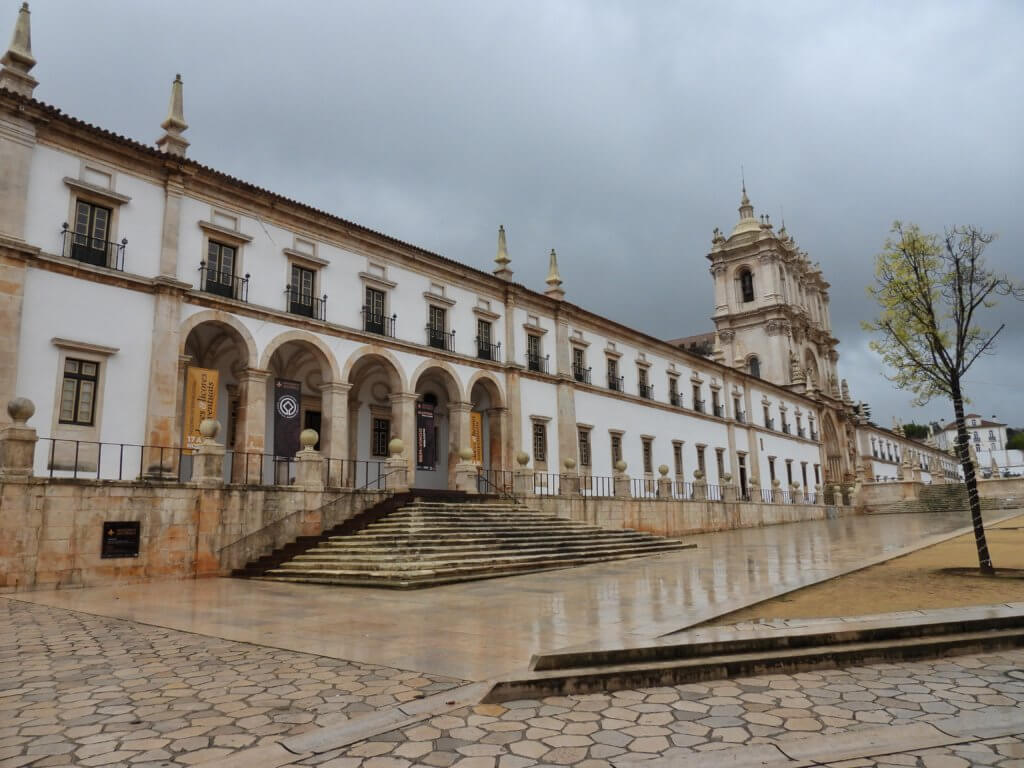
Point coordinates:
[[716, 406], [436, 325], [700, 460], [484, 349], [789, 471], [646, 390], [771, 469], [698, 404], [583, 436], [754, 367], [374, 319], [648, 451], [768, 417], [737, 411], [579, 365], [720, 462], [746, 286], [78, 392], [92, 229], [673, 391], [533, 361], [220, 270], [540, 442], [817, 474], [614, 380], [677, 458], [380, 438], [616, 449], [300, 299]]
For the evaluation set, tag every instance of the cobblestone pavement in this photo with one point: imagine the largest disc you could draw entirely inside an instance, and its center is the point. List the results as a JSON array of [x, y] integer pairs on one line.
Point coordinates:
[[601, 730], [83, 690]]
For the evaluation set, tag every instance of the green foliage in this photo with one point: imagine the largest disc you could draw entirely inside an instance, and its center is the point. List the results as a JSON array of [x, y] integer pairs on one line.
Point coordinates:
[[1016, 442], [915, 431], [929, 290]]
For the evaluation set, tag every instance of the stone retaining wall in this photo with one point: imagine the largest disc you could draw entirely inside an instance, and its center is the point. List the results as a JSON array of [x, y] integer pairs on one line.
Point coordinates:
[[674, 517], [51, 530]]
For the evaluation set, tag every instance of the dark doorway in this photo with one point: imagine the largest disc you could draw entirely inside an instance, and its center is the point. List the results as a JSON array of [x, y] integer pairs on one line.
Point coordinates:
[[312, 421]]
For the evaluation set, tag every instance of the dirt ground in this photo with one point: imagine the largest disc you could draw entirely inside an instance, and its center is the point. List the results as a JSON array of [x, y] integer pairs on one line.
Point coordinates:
[[907, 583]]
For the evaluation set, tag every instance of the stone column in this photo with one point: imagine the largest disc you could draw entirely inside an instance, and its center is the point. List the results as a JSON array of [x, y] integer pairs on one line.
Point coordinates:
[[458, 436], [403, 420], [18, 441], [514, 416], [162, 423], [208, 459], [251, 432], [334, 424]]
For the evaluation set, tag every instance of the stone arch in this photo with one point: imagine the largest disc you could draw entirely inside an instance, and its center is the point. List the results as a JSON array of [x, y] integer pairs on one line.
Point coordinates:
[[744, 281], [811, 367], [333, 373], [486, 379], [222, 318], [370, 354], [753, 366], [445, 373], [833, 449]]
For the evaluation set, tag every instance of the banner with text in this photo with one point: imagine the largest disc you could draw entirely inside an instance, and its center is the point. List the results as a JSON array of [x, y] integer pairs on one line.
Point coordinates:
[[200, 403], [425, 436], [476, 436], [287, 396]]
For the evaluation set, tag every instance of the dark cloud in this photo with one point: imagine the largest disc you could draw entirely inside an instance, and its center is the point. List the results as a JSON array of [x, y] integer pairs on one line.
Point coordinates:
[[613, 132]]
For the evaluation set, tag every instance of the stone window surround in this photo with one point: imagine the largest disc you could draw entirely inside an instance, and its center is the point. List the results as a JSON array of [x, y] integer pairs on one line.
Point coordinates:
[[645, 441], [230, 237], [535, 420], [306, 261], [93, 353], [82, 190], [678, 458], [589, 430], [377, 282], [440, 301]]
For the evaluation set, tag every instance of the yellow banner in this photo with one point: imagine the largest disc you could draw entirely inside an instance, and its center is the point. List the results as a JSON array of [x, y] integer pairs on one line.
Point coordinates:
[[200, 403], [476, 436]]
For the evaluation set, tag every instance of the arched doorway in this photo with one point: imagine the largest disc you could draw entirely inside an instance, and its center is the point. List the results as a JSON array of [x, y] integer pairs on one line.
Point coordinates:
[[488, 422], [301, 369], [442, 427], [375, 414], [833, 451], [225, 349]]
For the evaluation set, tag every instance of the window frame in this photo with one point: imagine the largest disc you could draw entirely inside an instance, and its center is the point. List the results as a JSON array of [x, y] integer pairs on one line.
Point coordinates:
[[80, 378], [583, 447]]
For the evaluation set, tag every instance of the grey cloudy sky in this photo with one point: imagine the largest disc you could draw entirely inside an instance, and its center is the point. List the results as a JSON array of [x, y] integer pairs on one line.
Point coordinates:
[[611, 131]]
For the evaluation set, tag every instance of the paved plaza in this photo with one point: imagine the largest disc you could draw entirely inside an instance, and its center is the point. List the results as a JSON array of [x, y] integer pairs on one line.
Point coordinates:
[[233, 673]]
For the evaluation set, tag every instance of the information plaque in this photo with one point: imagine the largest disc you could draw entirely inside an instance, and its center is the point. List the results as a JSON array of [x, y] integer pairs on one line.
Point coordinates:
[[120, 539]]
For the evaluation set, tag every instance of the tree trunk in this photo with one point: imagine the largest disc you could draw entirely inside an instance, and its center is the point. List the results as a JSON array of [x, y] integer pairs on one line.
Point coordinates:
[[971, 481]]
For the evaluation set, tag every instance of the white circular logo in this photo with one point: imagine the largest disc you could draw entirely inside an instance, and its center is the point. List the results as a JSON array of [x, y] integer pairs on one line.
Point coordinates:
[[288, 406]]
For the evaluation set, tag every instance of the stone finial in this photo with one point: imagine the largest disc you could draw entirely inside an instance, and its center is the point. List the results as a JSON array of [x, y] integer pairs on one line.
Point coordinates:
[[308, 438], [502, 259], [466, 454], [747, 222], [522, 458], [208, 429], [554, 280], [663, 470], [18, 61], [172, 142], [845, 390], [20, 409], [395, 447], [621, 466], [569, 463]]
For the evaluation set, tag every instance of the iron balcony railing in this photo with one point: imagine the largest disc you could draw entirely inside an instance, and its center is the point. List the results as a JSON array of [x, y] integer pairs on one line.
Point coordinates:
[[814, 435], [698, 406], [769, 423], [439, 338], [646, 391], [741, 417], [306, 304], [537, 363], [581, 374], [719, 411], [90, 250], [675, 399], [801, 432], [615, 383], [379, 323], [785, 427], [487, 351], [223, 282]]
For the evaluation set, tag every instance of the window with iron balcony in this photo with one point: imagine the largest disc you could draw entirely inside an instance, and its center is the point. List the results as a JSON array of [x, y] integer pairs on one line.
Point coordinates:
[[217, 273], [485, 350], [299, 293], [438, 336], [374, 319], [534, 362], [615, 382], [673, 392], [646, 390], [88, 241]]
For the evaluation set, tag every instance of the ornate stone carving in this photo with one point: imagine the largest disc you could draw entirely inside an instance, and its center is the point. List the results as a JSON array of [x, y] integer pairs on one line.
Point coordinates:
[[726, 336]]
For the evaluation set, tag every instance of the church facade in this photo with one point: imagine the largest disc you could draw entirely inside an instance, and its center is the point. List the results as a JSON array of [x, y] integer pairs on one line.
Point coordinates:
[[139, 287]]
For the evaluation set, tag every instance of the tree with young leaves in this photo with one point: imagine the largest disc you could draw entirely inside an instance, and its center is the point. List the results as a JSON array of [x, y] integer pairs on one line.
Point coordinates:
[[930, 291]]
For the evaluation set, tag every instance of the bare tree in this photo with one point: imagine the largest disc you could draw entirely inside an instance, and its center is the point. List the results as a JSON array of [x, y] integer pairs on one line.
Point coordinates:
[[930, 291]]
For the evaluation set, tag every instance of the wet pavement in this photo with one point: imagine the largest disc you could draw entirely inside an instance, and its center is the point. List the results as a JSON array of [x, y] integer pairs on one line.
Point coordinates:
[[483, 629]]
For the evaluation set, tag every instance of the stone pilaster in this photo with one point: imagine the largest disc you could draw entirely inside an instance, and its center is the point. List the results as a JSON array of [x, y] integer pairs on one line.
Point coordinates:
[[208, 464], [309, 470], [17, 141], [174, 191], [162, 423], [403, 420], [251, 432], [18, 441], [12, 298]]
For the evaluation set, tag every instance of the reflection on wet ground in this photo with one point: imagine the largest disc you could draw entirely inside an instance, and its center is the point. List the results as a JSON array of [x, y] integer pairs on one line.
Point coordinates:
[[481, 629]]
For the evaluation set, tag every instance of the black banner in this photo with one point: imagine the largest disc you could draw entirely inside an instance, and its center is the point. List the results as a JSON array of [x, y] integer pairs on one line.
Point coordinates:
[[287, 396], [120, 539], [425, 437]]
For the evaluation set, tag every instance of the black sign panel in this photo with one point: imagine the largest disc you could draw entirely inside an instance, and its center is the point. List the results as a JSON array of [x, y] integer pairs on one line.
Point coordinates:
[[426, 437], [120, 539], [287, 396]]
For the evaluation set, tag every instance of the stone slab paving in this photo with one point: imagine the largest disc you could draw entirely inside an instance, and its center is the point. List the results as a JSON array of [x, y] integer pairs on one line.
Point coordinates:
[[616, 729], [83, 690]]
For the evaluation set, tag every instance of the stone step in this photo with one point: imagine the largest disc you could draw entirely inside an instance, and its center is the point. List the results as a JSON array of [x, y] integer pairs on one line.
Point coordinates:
[[482, 556], [422, 545], [401, 534]]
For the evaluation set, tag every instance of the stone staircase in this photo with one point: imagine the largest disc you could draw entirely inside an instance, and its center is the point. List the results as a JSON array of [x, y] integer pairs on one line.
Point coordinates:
[[424, 542], [944, 498]]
